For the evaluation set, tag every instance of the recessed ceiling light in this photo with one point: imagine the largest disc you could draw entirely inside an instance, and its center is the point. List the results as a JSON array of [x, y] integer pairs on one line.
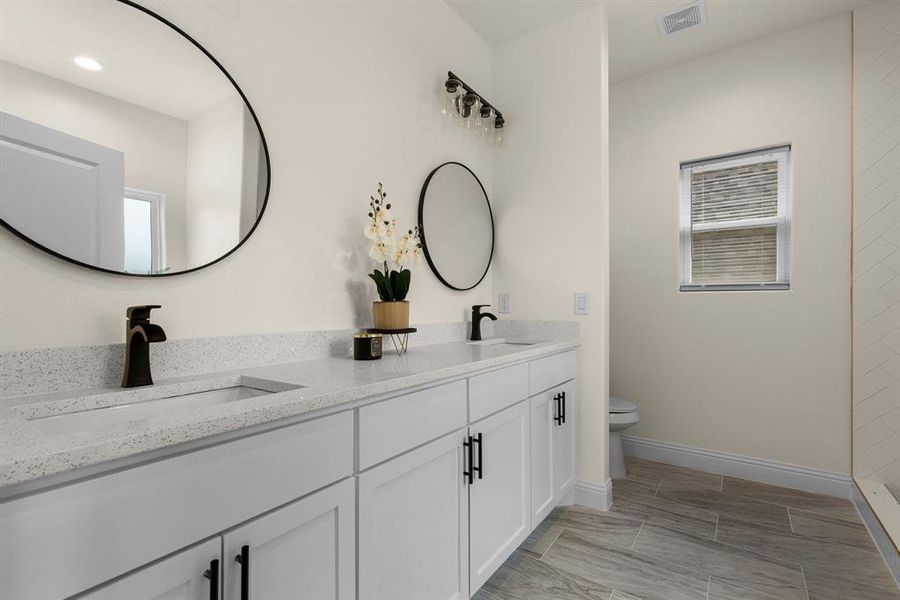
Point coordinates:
[[86, 62]]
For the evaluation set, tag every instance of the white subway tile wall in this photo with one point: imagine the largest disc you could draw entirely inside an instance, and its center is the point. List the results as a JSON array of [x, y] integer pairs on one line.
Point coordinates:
[[876, 247]]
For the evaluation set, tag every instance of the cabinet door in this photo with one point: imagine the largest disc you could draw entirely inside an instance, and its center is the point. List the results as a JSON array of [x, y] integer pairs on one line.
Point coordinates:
[[305, 550], [414, 524], [500, 497], [543, 485], [179, 577], [564, 442]]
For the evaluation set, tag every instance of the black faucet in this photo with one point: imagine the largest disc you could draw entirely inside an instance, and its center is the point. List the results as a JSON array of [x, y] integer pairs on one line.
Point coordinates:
[[477, 316], [139, 334]]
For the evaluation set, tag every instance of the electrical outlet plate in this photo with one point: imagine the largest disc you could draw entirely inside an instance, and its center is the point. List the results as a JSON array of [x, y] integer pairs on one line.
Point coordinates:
[[582, 303], [503, 304]]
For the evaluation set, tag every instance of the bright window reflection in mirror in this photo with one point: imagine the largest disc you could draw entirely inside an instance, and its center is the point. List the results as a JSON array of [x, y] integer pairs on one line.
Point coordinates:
[[138, 236], [144, 238]]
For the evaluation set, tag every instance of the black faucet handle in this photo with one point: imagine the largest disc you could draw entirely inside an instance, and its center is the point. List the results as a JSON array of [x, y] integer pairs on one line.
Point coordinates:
[[476, 308], [140, 313]]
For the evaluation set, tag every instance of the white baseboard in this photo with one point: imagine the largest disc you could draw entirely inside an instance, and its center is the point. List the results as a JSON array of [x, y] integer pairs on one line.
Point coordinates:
[[745, 467], [881, 538], [598, 497]]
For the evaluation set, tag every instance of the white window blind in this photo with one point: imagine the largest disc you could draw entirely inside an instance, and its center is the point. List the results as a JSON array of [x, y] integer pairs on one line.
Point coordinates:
[[735, 221]]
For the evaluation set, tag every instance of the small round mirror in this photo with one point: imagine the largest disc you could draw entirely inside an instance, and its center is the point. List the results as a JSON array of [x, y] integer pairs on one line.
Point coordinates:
[[457, 226]]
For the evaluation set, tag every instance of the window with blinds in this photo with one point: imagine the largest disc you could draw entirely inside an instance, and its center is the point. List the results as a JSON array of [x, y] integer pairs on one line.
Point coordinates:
[[735, 222]]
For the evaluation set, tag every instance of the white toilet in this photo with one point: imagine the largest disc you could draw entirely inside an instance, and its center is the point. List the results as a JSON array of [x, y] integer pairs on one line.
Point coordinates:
[[622, 415]]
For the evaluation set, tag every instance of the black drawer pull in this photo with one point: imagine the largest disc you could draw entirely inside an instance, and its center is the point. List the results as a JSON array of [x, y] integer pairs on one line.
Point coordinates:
[[558, 417], [243, 559], [477, 440], [212, 573], [562, 404], [468, 474]]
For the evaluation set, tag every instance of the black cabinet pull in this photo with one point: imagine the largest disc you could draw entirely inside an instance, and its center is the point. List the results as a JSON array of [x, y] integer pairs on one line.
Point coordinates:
[[212, 573], [558, 417], [477, 440], [243, 559], [562, 404], [469, 474]]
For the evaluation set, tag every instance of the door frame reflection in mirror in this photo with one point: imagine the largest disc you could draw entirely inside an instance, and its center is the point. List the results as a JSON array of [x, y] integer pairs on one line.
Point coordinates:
[[423, 233], [263, 144]]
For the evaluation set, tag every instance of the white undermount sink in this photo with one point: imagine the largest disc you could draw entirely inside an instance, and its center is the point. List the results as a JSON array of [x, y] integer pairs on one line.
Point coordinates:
[[97, 418], [496, 341]]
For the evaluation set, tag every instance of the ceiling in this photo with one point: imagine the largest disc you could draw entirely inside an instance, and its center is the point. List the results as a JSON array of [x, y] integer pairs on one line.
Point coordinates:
[[144, 62], [637, 48], [635, 45], [498, 22]]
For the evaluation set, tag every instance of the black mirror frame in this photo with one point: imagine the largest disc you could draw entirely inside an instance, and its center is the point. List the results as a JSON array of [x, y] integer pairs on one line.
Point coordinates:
[[262, 139], [423, 234]]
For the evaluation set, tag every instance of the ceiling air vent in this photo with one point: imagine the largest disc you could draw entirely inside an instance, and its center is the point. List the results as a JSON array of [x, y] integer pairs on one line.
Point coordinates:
[[690, 15]]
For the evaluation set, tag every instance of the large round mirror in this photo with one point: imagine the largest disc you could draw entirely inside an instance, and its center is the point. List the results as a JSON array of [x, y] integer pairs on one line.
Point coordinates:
[[457, 226], [124, 145]]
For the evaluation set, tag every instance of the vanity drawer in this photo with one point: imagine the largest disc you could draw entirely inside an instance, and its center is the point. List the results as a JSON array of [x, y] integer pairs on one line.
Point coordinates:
[[552, 371], [494, 391], [398, 424], [65, 540]]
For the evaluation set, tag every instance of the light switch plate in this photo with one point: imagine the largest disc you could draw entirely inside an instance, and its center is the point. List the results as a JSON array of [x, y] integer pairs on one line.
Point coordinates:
[[503, 304], [582, 303]]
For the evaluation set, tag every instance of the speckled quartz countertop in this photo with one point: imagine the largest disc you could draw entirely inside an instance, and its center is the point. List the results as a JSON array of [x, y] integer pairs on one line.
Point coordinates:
[[31, 458]]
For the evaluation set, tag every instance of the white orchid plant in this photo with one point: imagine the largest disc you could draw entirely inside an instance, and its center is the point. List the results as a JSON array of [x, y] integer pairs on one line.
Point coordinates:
[[397, 256]]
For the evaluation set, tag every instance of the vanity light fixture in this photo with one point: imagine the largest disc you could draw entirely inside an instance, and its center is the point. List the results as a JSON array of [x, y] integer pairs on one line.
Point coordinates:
[[470, 108], [86, 62]]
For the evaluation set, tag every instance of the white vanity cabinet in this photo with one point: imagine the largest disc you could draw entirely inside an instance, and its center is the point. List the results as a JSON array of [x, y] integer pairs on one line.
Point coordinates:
[[303, 550], [543, 443], [500, 495], [563, 434], [552, 433], [194, 574], [307, 547], [414, 525], [552, 449], [417, 496], [92, 531]]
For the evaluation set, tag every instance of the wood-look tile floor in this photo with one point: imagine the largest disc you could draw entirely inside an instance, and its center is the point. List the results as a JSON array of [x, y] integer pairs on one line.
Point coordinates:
[[679, 534]]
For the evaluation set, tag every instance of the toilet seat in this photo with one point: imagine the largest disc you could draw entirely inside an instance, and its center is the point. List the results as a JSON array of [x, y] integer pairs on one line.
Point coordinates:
[[619, 406]]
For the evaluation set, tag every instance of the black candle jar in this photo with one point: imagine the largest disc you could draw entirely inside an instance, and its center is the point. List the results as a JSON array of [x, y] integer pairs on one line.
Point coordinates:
[[367, 346]]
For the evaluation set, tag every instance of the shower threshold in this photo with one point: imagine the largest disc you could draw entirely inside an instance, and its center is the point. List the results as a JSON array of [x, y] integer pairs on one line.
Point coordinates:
[[885, 503]]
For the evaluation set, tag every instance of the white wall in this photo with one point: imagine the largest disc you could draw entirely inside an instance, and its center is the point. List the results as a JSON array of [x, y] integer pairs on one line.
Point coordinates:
[[215, 169], [764, 374], [876, 268], [154, 144], [551, 199], [347, 94]]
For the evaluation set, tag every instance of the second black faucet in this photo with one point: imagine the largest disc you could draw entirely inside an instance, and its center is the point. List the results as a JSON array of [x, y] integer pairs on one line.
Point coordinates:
[[477, 316]]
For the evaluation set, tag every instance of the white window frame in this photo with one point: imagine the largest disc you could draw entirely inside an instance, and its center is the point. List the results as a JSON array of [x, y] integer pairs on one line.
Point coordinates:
[[157, 202], [782, 221]]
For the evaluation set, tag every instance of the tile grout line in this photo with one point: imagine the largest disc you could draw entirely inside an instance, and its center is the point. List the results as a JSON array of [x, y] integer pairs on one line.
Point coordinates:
[[805, 588], [716, 532], [708, 585], [556, 539], [790, 520], [658, 487], [640, 529]]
